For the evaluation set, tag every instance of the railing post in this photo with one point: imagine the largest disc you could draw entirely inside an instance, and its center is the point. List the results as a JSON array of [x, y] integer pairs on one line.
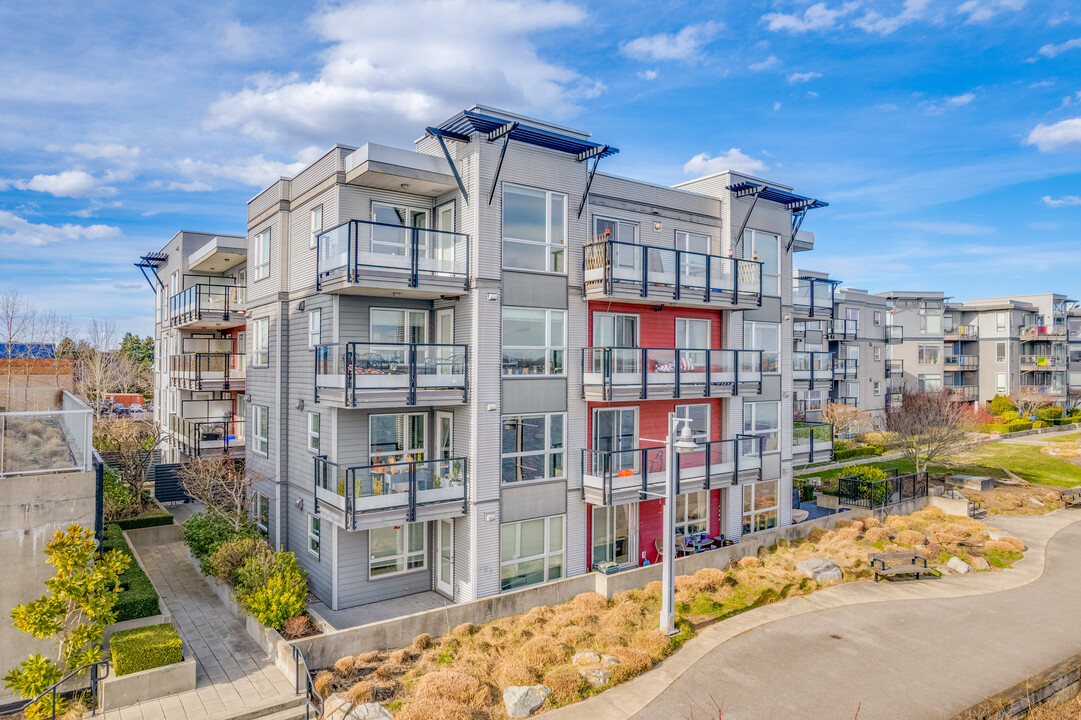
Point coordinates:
[[414, 264], [645, 272], [736, 356], [675, 390], [644, 467], [709, 372], [735, 460], [644, 393], [709, 277], [412, 374], [679, 275], [412, 491], [735, 281]]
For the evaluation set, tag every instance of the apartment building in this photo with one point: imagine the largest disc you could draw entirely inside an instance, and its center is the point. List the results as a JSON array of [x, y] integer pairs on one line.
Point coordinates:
[[199, 343]]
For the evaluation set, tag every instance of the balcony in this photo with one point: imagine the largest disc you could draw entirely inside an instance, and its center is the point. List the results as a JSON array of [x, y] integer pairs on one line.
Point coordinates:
[[893, 398], [43, 430], [812, 367], [1052, 389], [963, 393], [812, 442], [846, 400], [895, 367], [1041, 363], [895, 334], [1042, 333], [617, 477], [202, 437], [845, 368], [360, 257], [961, 332], [625, 373], [960, 363], [208, 371], [843, 330], [391, 493], [649, 274], [209, 306], [812, 298], [359, 374]]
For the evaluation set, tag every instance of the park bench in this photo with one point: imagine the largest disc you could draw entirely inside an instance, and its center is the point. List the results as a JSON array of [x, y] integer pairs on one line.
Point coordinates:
[[889, 564], [1072, 497]]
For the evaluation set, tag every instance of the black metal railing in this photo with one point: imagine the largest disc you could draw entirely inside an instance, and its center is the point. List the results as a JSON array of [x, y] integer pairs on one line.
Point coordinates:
[[358, 368], [964, 332], [813, 297], [812, 367], [667, 272], [845, 368], [199, 371], [96, 676], [670, 372], [202, 302], [961, 362], [197, 436], [393, 484], [871, 494], [813, 440], [895, 334], [843, 329], [313, 700], [384, 251], [894, 367]]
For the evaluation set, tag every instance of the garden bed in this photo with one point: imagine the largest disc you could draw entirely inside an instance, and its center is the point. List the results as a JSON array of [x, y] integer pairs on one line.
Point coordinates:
[[137, 599]]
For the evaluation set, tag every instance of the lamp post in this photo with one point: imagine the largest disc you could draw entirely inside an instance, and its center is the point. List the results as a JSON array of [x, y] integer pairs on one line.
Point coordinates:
[[668, 564]]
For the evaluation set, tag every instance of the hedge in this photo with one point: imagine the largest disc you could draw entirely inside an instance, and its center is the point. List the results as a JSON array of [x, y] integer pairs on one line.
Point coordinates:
[[145, 648], [153, 516], [1015, 426], [857, 452], [138, 598]]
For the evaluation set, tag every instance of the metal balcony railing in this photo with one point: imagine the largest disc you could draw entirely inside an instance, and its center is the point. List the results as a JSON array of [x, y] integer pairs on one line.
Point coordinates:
[[1043, 361], [846, 400], [961, 362], [962, 392], [812, 442], [857, 492], [843, 329], [893, 398], [1038, 333], [963, 332], [845, 368], [660, 272], [894, 367], [208, 302], [402, 486], [202, 436], [812, 367], [641, 471], [895, 334], [207, 371], [813, 297], [413, 256], [671, 372], [357, 369]]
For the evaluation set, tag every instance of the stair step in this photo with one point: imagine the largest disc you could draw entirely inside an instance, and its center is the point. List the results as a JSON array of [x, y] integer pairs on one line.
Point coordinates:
[[290, 708], [296, 713]]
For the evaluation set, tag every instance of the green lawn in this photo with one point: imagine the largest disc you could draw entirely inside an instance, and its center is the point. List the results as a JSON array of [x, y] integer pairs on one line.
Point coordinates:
[[1072, 437]]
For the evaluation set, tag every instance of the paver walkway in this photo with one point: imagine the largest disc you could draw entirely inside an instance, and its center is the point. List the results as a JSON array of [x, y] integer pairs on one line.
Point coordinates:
[[233, 673], [864, 645]]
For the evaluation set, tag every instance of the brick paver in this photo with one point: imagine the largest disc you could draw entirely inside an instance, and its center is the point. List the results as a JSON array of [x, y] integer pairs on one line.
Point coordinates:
[[233, 674]]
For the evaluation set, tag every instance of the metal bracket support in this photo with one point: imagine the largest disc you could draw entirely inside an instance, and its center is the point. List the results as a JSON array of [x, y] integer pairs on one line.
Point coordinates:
[[439, 135], [503, 132], [747, 218], [596, 152]]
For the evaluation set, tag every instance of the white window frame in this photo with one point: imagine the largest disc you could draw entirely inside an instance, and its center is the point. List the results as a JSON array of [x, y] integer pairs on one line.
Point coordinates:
[[261, 446], [404, 553], [1001, 386], [774, 286], [317, 224], [551, 248], [616, 237], [876, 388], [878, 353], [257, 512], [683, 519], [315, 328], [1001, 358], [261, 255], [314, 535], [404, 316], [550, 551], [687, 323], [771, 357], [313, 431], [921, 351], [750, 513], [921, 382], [1001, 322], [876, 318], [550, 450], [699, 435], [418, 454], [550, 348], [260, 350], [750, 411]]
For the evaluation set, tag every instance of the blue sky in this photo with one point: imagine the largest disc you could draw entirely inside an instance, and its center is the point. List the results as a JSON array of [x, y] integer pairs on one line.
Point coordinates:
[[946, 134]]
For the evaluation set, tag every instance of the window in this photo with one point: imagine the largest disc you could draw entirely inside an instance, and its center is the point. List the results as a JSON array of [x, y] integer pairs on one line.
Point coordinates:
[[261, 420], [876, 318], [261, 512], [317, 224], [763, 418], [1000, 383], [1000, 322], [534, 229], [387, 236], [315, 328], [261, 256], [614, 534], [396, 550], [398, 326], [692, 513], [534, 341], [1000, 352], [699, 415], [260, 356], [930, 323], [313, 535], [852, 390], [396, 438], [929, 382], [759, 506], [531, 552], [765, 247], [876, 388], [174, 283], [929, 354], [313, 432], [615, 430], [616, 230], [693, 266], [767, 338], [878, 354], [533, 447], [692, 333], [615, 330]]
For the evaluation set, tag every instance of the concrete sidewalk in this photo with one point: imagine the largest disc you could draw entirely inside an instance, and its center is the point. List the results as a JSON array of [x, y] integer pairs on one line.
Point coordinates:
[[864, 645]]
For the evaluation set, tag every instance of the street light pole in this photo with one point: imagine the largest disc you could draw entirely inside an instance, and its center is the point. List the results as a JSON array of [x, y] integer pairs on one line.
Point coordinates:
[[668, 552]]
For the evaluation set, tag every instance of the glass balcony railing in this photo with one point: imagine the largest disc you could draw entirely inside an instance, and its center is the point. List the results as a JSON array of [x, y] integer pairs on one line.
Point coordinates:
[[962, 332], [1036, 333], [649, 271], [962, 392], [812, 367], [961, 362], [813, 297], [894, 367], [402, 487], [209, 302], [1043, 361], [670, 372], [208, 371], [843, 329], [44, 430], [198, 437], [812, 442], [845, 368], [895, 334], [411, 257], [356, 371]]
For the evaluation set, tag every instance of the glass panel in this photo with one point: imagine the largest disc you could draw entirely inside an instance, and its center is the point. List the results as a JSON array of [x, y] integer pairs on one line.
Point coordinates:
[[523, 214], [603, 539], [557, 215], [523, 327], [387, 326], [416, 537], [524, 255], [532, 538], [558, 330], [555, 534], [556, 432]]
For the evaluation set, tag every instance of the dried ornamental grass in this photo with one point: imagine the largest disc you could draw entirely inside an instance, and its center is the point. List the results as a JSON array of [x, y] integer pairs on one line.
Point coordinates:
[[433, 709], [544, 650], [456, 687], [364, 658], [590, 601], [566, 683], [749, 562], [910, 537], [361, 692], [344, 666], [513, 672], [632, 663], [870, 522], [401, 657], [877, 535], [422, 641], [464, 629], [324, 683]]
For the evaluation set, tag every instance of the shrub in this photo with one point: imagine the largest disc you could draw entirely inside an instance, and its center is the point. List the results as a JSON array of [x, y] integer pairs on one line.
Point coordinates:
[[873, 437], [1009, 416], [118, 500], [296, 627], [866, 451], [454, 686], [1019, 426], [324, 683], [361, 692], [153, 516], [567, 684], [273, 594], [1049, 412], [1039, 424], [231, 556], [840, 445], [145, 648], [205, 533], [137, 599], [911, 537], [1000, 404]]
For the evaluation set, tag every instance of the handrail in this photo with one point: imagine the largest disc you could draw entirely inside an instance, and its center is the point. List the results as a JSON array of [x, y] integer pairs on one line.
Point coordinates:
[[188, 304], [804, 297], [298, 658], [685, 365], [809, 431], [190, 367], [816, 366], [409, 366], [95, 678], [871, 494]]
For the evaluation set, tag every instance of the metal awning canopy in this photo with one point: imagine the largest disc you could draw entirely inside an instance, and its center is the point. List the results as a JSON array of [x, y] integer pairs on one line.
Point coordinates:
[[152, 261], [470, 121], [788, 199]]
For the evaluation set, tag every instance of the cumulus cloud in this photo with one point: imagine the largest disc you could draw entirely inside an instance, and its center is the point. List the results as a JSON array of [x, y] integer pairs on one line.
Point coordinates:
[[374, 83], [817, 17], [69, 184], [949, 103], [683, 45], [193, 186], [795, 78], [1052, 50], [878, 24], [647, 75], [734, 159], [1064, 201], [769, 63], [983, 10], [256, 171], [120, 154], [14, 229], [1063, 135]]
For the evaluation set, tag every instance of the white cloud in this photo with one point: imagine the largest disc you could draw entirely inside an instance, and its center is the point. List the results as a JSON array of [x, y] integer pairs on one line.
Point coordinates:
[[1042, 83], [14, 229], [878, 24], [803, 77], [374, 83], [239, 41], [255, 171], [1045, 225], [776, 106], [69, 183], [647, 75], [120, 154], [1063, 135], [1064, 201], [734, 159], [684, 45], [1051, 50], [1069, 100], [949, 103], [983, 10], [948, 228], [812, 94], [769, 63], [817, 17], [193, 186]]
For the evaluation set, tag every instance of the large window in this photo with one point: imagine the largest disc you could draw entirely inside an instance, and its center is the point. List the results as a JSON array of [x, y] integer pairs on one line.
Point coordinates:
[[398, 326], [261, 512], [534, 341], [315, 328], [387, 236], [261, 259], [929, 382], [397, 438], [692, 513], [534, 229], [260, 356], [1000, 383], [396, 550], [1000, 352], [1000, 322], [531, 552], [929, 354], [692, 333], [317, 224], [614, 539], [759, 506], [616, 230], [614, 430], [699, 416], [767, 338], [763, 418], [764, 247], [261, 417], [313, 432], [533, 447], [930, 322]]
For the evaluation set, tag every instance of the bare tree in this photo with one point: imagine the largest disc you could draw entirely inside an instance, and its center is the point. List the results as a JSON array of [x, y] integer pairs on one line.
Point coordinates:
[[100, 371], [928, 426], [30, 357], [1028, 402], [846, 420], [54, 329], [222, 484], [131, 444], [13, 315]]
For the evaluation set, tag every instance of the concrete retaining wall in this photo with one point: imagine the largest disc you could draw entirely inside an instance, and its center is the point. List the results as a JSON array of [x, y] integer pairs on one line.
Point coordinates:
[[1054, 686], [123, 690]]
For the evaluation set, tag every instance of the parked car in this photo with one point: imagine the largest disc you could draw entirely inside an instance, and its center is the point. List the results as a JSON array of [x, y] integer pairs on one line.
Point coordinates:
[[135, 407]]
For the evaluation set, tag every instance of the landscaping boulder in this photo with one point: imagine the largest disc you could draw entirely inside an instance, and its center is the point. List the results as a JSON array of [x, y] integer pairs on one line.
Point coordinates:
[[597, 677], [609, 660], [1034, 501], [335, 707], [944, 569], [522, 700], [820, 570], [958, 565], [978, 563], [369, 711], [586, 658]]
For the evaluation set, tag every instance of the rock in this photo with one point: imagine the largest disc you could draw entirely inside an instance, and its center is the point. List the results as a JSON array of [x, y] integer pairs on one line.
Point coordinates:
[[609, 660], [586, 658], [919, 548], [1034, 501], [522, 700], [979, 563], [997, 534], [369, 711], [335, 707], [944, 569], [958, 565], [820, 570], [597, 677]]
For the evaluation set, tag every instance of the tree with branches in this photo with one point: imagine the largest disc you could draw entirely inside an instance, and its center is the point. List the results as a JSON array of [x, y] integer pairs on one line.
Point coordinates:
[[15, 313], [223, 485], [1028, 402], [928, 426], [846, 420], [131, 444]]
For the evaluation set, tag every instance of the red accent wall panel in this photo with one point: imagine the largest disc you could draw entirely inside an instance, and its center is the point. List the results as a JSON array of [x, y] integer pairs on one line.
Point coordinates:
[[658, 329]]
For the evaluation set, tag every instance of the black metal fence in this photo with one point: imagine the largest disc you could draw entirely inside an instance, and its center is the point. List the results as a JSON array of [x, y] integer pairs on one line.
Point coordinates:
[[871, 494]]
